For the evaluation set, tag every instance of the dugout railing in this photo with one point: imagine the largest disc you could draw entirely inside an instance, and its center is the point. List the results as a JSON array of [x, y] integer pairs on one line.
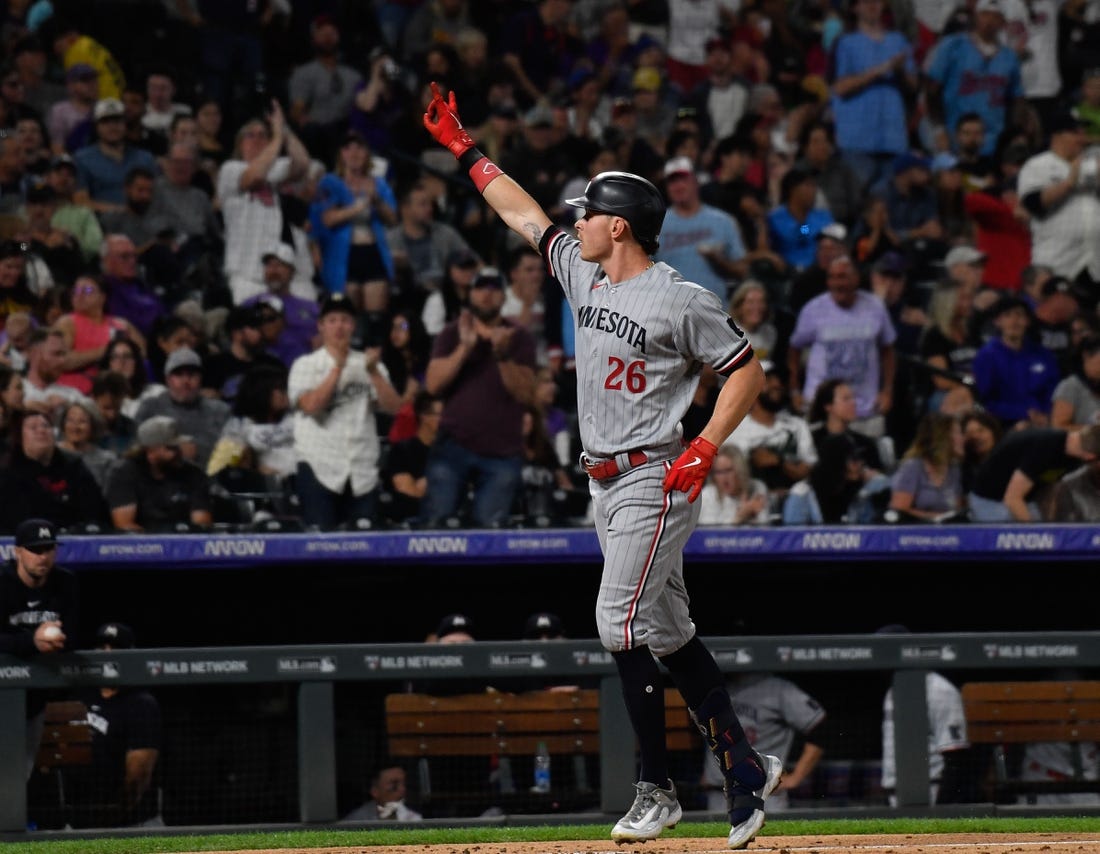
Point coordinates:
[[315, 670]]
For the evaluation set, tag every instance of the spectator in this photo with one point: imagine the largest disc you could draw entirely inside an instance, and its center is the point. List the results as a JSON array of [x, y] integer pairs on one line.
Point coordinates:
[[969, 143], [336, 393], [832, 242], [124, 357], [11, 397], [183, 209], [729, 191], [17, 333], [78, 220], [154, 488], [1088, 108], [542, 154], [225, 370], [46, 358], [751, 310], [948, 346], [849, 478], [1013, 483], [1076, 496], [87, 331], [260, 434], [700, 241], [947, 184], [952, 773], [161, 108], [1058, 187], [794, 225], [109, 390], [288, 322], [103, 165], [201, 418], [170, 333], [1014, 375], [349, 216], [405, 355], [732, 496], [70, 120], [911, 208], [247, 193], [1054, 312], [74, 47], [483, 367], [779, 713], [524, 296], [16, 297], [558, 427], [407, 461], [31, 574], [981, 434], [322, 91], [1076, 399], [927, 485], [387, 798], [31, 64], [777, 443], [13, 175], [837, 181], [1001, 233], [81, 427], [974, 72], [722, 97], [420, 245], [539, 49], [47, 481], [118, 788], [874, 236], [56, 247], [848, 335], [544, 479], [129, 296], [445, 302], [873, 71], [212, 150]]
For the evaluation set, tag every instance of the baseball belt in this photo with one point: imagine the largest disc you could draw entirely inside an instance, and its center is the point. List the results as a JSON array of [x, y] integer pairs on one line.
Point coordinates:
[[617, 465]]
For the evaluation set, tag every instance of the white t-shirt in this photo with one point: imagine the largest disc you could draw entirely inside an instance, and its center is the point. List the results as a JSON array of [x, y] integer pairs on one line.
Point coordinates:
[[691, 23], [1035, 30], [789, 432], [253, 219], [1067, 239]]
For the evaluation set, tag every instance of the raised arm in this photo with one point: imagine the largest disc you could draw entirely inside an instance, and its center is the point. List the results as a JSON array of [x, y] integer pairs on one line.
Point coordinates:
[[513, 204]]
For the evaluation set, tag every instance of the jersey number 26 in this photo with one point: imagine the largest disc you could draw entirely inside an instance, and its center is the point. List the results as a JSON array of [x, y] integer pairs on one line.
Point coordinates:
[[635, 375]]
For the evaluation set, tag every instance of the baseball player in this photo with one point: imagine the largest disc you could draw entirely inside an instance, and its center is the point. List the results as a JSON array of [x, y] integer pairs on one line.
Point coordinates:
[[643, 335]]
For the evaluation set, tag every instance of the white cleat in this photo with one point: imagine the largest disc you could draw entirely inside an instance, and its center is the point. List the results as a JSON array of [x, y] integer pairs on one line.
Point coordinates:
[[653, 810], [742, 834]]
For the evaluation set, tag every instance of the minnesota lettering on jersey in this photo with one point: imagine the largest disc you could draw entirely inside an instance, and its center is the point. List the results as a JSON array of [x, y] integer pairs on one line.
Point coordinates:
[[618, 324]]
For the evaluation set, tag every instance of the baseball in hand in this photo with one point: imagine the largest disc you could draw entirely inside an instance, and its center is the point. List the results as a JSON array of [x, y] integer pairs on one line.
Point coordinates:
[[51, 632]]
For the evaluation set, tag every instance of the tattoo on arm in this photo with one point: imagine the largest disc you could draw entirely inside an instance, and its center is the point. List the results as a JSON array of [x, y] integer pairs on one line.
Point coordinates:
[[533, 233]]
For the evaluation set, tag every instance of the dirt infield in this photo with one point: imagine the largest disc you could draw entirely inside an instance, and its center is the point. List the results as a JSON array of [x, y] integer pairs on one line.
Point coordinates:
[[959, 843]]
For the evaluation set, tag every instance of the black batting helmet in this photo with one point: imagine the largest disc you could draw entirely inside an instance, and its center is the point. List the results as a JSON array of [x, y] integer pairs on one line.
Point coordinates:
[[630, 196]]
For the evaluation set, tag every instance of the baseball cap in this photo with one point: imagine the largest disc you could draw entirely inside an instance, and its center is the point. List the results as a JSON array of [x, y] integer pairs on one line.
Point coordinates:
[[337, 302], [265, 302], [184, 357], [488, 277], [1066, 120], [81, 71], [453, 624], [542, 625], [282, 251], [36, 532], [943, 161], [1007, 303], [242, 317], [108, 108], [159, 430], [539, 116], [63, 161], [989, 6], [962, 255], [890, 264], [910, 160], [115, 635], [1056, 285], [646, 80], [679, 166], [834, 231]]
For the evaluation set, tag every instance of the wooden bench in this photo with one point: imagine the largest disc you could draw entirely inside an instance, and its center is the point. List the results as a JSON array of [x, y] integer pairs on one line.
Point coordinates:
[[502, 727], [66, 745], [1008, 715]]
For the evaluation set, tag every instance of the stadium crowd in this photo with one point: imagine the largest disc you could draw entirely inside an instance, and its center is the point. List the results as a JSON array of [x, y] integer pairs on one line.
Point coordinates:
[[234, 266]]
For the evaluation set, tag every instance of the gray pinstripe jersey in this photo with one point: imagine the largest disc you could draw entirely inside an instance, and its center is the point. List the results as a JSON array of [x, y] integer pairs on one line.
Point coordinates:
[[640, 345]]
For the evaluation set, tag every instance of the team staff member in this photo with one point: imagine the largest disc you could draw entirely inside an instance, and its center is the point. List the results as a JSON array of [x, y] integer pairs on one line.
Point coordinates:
[[38, 610], [643, 336]]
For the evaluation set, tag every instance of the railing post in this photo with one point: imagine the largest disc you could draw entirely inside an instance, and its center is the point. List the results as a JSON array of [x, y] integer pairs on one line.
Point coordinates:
[[911, 737], [13, 759], [316, 752]]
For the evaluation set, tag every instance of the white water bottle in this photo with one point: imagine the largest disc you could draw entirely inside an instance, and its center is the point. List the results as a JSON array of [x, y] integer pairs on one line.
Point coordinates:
[[542, 769]]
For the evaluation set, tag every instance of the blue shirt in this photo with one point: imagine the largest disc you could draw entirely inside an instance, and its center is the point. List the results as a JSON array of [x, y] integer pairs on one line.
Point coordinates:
[[104, 177], [795, 240], [1011, 382], [872, 119], [974, 84], [681, 236]]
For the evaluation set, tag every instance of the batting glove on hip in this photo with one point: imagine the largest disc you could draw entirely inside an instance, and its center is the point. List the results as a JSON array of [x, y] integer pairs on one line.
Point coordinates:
[[689, 472], [442, 122]]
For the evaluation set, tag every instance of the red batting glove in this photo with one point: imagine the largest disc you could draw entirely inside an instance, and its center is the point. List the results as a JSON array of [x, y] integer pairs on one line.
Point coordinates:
[[689, 472], [441, 120]]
